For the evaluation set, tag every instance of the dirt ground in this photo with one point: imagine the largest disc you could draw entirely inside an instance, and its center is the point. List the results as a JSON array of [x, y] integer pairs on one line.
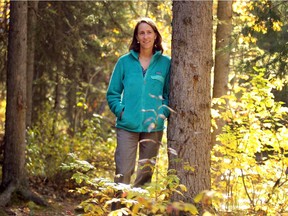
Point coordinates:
[[64, 208], [61, 202]]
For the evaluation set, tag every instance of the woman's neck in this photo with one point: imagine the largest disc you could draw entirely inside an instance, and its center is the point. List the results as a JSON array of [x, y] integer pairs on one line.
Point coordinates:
[[145, 58], [145, 54]]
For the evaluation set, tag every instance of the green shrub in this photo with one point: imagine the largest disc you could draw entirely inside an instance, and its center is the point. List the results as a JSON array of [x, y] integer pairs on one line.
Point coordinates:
[[49, 146]]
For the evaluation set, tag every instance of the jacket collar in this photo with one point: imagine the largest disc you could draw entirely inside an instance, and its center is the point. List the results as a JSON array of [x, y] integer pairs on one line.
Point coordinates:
[[156, 55]]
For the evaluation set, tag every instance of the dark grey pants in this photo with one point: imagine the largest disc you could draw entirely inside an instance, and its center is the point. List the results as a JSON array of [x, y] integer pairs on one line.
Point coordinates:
[[125, 155]]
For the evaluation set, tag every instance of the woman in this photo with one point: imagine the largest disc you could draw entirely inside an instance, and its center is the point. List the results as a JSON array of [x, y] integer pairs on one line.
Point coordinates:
[[138, 96]]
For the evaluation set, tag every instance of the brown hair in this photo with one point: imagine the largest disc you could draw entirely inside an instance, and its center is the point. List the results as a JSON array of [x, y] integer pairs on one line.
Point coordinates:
[[158, 42]]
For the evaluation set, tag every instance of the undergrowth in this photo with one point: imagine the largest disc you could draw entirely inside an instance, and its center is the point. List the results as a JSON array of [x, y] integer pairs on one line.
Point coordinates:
[[153, 199]]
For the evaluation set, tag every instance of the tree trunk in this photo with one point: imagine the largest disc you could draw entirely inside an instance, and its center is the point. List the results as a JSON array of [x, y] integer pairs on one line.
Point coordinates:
[[32, 19], [71, 97], [57, 100], [59, 72], [15, 125], [222, 56], [189, 128], [3, 38], [223, 41], [14, 172]]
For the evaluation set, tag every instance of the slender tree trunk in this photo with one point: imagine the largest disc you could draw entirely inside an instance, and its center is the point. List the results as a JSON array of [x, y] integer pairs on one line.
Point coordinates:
[[71, 97], [222, 56], [189, 128], [59, 71], [223, 41], [41, 86], [57, 100], [15, 124], [32, 19], [40, 90], [4, 41]]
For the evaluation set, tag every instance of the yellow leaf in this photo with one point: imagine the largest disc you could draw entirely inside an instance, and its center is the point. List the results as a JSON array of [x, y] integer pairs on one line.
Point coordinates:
[[116, 31], [207, 214], [198, 197], [183, 187], [190, 208], [277, 26]]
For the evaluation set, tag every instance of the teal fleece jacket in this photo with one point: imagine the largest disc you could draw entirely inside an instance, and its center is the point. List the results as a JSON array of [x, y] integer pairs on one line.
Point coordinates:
[[140, 103]]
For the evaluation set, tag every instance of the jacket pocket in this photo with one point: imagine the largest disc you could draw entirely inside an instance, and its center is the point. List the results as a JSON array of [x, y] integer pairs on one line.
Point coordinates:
[[121, 114], [158, 77], [129, 119]]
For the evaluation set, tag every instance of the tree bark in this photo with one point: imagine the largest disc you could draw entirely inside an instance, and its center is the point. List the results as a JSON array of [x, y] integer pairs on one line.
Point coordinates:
[[223, 41], [59, 72], [71, 97], [189, 128], [4, 42], [32, 19], [222, 57], [14, 172], [15, 124]]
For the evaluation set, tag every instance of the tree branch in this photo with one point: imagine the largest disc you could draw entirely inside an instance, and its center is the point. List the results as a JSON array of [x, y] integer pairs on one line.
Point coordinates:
[[114, 20], [245, 187]]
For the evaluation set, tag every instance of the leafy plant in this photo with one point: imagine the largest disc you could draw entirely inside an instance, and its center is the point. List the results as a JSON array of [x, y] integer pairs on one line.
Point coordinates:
[[46, 151], [136, 201], [153, 199], [250, 169]]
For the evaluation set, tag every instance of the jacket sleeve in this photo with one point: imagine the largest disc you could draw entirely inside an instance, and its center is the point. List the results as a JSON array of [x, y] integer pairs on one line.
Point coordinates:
[[115, 89], [166, 92]]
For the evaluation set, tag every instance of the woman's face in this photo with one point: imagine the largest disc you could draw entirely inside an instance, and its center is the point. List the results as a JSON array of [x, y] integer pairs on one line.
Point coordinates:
[[146, 36]]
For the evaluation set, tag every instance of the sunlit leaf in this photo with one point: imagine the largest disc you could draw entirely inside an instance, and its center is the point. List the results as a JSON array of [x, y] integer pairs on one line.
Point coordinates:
[[183, 187], [198, 197], [190, 208]]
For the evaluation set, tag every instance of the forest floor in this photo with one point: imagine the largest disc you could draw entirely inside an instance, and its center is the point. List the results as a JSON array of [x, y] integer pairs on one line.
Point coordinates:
[[60, 201], [55, 208]]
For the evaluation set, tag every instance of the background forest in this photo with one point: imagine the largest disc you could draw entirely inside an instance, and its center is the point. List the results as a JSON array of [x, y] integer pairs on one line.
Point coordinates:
[[70, 141]]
